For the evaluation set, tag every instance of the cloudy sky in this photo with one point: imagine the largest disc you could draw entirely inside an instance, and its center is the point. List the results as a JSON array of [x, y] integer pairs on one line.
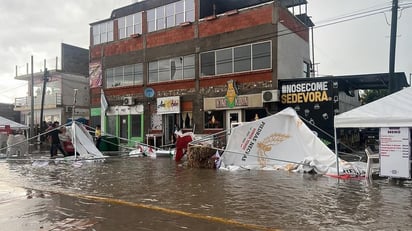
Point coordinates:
[[351, 36]]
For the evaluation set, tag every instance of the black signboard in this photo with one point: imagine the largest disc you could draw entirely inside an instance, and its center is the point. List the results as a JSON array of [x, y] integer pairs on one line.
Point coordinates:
[[315, 101]]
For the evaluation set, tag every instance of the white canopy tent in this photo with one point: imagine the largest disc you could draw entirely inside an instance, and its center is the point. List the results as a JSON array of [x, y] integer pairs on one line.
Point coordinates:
[[394, 110], [13, 125]]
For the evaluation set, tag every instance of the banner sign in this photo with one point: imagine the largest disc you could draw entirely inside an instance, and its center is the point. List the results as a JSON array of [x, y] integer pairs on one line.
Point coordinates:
[[394, 150], [168, 105], [316, 101]]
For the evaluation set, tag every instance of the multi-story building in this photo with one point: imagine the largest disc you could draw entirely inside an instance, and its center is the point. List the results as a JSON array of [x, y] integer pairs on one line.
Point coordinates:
[[58, 86], [194, 64]]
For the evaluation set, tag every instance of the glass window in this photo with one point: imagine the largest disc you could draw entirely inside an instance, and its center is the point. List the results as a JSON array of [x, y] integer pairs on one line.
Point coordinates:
[[138, 73], [110, 77], [137, 23], [224, 61], [180, 12], [306, 69], [129, 25], [242, 58], [103, 33], [153, 72], [118, 76], [170, 15], [137, 125], [128, 75], [122, 27], [111, 125], [189, 67], [207, 63], [164, 70], [160, 18], [261, 56], [110, 31], [151, 20], [96, 34], [214, 119], [190, 11], [176, 68]]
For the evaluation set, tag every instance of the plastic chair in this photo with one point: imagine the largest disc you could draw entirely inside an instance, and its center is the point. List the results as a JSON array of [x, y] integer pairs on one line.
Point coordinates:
[[371, 165]]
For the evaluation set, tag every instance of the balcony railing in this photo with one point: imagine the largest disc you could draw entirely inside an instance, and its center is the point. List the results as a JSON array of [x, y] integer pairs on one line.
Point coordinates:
[[50, 101]]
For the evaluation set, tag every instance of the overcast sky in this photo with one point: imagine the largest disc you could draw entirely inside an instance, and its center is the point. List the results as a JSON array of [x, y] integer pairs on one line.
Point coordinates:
[[356, 46]]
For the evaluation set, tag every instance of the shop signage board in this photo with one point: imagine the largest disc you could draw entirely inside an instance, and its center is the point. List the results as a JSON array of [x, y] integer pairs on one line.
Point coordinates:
[[394, 150]]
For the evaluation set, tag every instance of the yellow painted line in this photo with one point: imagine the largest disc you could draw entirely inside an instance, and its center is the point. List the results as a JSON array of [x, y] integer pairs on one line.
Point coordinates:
[[171, 211]]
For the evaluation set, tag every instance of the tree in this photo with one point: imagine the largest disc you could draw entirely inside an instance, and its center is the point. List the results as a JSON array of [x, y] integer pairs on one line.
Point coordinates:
[[372, 95]]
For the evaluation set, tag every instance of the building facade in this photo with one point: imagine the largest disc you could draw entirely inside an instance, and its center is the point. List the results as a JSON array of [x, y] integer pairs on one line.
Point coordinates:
[[57, 91], [196, 65]]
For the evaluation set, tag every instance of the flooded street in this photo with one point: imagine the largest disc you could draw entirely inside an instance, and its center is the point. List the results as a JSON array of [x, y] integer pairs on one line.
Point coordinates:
[[126, 193]]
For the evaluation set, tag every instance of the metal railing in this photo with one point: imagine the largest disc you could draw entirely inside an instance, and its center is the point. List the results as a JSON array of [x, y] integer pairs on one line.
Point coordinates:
[[50, 101]]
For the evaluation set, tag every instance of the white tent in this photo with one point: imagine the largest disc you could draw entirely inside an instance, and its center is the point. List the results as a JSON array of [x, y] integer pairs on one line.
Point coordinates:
[[279, 141], [13, 125], [394, 110]]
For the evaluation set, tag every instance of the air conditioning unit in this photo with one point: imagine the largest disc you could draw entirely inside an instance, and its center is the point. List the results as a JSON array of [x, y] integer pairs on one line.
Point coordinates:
[[127, 101], [270, 96], [69, 109]]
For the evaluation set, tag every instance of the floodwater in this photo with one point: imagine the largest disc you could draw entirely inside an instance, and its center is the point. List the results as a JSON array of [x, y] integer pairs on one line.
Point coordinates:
[[130, 193]]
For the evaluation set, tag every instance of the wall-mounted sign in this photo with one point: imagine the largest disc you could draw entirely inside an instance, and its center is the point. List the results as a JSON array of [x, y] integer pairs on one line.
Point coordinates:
[[231, 94], [168, 105], [394, 152], [149, 92]]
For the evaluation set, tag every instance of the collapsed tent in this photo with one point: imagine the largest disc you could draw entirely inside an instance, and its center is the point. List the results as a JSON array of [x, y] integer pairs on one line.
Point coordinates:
[[281, 141], [83, 142]]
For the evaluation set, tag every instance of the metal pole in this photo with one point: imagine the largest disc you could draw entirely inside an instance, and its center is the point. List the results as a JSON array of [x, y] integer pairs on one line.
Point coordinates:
[[32, 101], [73, 124], [45, 75], [394, 24], [336, 152]]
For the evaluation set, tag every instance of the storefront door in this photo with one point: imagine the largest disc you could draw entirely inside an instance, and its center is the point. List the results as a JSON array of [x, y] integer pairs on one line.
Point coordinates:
[[124, 124], [233, 116]]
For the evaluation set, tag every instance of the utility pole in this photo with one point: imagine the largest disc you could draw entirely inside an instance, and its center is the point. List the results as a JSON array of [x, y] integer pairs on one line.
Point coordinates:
[[393, 84], [32, 101], [45, 79]]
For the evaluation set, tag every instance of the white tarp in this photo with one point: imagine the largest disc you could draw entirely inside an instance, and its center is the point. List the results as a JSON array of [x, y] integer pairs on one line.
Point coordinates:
[[13, 125], [394, 110], [280, 140], [84, 144]]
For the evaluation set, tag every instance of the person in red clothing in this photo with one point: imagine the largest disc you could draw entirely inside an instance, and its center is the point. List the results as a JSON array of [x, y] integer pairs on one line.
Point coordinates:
[[182, 141]]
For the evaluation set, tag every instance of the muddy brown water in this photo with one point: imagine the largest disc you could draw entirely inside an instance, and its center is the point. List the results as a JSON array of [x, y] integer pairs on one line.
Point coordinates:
[[126, 193]]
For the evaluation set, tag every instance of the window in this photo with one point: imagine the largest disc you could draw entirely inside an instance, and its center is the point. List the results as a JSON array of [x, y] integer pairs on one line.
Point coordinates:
[[224, 61], [249, 57], [102, 33], [207, 63], [261, 56], [189, 67], [242, 59], [214, 119], [111, 125], [177, 68], [306, 69], [124, 75], [137, 125], [131, 24], [170, 15]]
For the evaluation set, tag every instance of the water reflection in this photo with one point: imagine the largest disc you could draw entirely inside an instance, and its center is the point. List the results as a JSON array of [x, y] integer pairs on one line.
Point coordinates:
[[276, 199]]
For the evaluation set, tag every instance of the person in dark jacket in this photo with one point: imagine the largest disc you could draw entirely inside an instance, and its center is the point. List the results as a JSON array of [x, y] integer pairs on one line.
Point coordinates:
[[55, 143]]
